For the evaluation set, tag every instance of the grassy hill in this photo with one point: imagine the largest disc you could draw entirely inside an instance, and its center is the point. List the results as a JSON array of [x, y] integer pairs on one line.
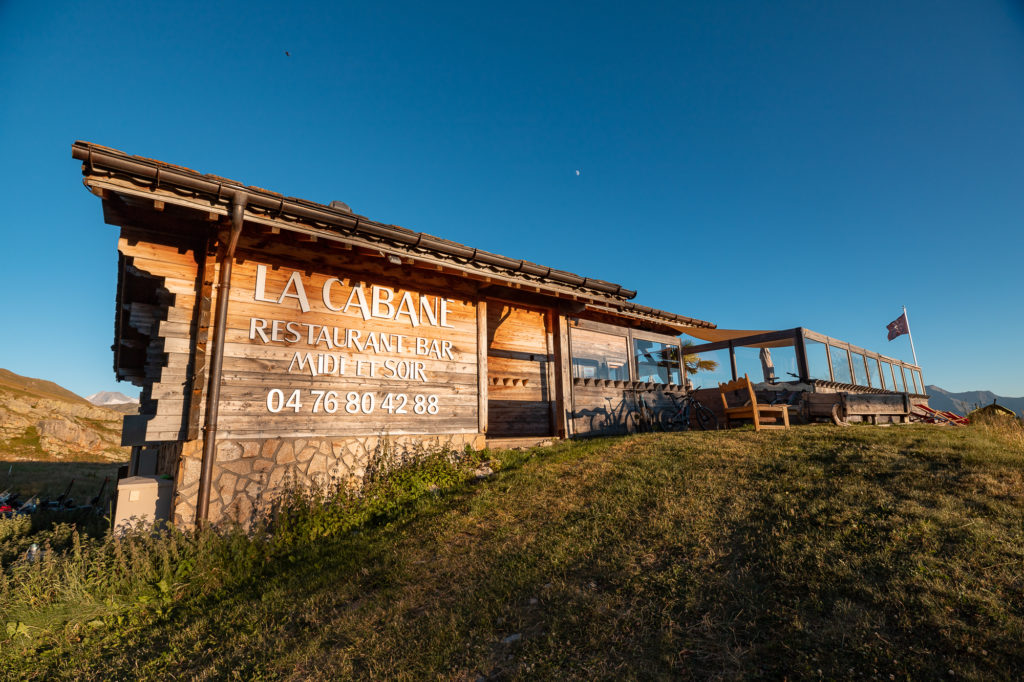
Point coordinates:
[[38, 388], [864, 552]]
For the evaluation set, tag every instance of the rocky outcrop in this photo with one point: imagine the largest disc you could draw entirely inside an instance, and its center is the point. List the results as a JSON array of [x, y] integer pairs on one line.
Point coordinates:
[[60, 434], [35, 427]]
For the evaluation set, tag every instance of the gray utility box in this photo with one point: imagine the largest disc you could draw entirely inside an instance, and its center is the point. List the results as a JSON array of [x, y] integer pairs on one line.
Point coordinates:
[[143, 498]]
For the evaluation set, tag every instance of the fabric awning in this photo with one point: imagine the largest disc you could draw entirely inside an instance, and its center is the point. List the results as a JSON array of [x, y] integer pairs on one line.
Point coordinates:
[[716, 335]]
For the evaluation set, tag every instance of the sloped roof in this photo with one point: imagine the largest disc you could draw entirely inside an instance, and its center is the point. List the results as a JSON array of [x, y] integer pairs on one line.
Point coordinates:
[[151, 176]]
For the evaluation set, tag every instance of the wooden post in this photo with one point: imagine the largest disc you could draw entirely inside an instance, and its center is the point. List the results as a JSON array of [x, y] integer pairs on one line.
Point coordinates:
[[552, 373], [631, 356], [732, 361], [206, 264], [563, 377], [801, 356], [684, 379], [481, 364]]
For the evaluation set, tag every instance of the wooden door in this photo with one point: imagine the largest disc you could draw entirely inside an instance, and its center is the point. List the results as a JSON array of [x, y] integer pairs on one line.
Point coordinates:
[[520, 370]]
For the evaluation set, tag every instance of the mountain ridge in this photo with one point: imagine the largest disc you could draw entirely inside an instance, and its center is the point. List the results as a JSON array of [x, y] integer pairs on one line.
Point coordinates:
[[965, 401], [41, 387]]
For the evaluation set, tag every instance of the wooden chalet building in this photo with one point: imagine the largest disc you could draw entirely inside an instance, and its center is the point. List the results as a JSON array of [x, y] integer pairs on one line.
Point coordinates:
[[280, 341]]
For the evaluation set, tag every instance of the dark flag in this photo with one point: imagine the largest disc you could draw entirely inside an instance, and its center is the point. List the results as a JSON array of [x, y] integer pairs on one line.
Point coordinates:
[[898, 327]]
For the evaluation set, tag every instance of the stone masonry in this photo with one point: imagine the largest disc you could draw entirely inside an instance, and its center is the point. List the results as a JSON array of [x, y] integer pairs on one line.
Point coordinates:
[[248, 474]]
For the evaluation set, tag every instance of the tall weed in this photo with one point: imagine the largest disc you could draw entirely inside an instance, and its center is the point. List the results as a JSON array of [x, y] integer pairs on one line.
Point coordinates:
[[65, 573], [1003, 428]]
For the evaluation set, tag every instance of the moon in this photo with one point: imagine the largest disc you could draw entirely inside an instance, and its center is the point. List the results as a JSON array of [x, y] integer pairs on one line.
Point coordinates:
[[577, 172]]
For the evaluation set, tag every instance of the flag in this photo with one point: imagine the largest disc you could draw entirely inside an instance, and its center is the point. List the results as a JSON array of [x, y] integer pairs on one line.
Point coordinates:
[[898, 327]]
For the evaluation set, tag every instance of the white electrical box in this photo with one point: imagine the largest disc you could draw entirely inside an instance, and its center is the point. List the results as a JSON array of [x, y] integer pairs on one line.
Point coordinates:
[[143, 498]]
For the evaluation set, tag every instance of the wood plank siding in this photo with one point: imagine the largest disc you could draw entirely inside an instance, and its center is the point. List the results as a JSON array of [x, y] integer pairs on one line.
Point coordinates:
[[520, 371]]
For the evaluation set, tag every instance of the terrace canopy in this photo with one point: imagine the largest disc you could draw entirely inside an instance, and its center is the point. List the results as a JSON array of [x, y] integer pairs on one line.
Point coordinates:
[[799, 355]]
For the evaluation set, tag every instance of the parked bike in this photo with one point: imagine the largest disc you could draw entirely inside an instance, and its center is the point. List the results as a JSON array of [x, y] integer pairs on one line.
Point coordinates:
[[687, 412], [644, 418]]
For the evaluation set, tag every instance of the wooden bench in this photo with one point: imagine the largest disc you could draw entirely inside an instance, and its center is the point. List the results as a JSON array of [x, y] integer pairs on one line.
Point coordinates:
[[752, 410]]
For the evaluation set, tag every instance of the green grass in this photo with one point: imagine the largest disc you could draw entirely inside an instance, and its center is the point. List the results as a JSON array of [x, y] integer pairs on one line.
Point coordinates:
[[25, 445], [50, 478], [890, 553]]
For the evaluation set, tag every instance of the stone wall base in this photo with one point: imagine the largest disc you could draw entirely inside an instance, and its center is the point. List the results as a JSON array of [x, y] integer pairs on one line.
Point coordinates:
[[248, 474]]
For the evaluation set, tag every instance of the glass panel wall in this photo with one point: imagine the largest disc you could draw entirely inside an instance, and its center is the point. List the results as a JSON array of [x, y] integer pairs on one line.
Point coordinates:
[[859, 372], [817, 360], [708, 369], [897, 377], [656, 361], [908, 374], [840, 365], [768, 365], [877, 376], [599, 356]]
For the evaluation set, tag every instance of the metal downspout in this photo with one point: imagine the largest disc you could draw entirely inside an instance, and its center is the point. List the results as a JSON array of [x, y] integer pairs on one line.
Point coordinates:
[[238, 204]]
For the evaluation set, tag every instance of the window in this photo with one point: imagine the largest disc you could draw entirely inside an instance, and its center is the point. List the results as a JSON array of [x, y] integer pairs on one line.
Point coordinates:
[[768, 365], [908, 374], [712, 368], [599, 356], [817, 360], [656, 361], [877, 375], [897, 378], [859, 372], [840, 365]]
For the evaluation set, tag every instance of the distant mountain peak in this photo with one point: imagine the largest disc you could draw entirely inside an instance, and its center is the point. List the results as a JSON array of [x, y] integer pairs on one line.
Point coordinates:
[[105, 398], [965, 401]]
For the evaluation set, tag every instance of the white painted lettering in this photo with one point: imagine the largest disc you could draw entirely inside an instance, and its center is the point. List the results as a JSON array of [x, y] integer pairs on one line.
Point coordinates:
[[261, 285], [427, 311], [382, 298], [357, 298], [323, 336], [326, 294], [371, 342], [444, 313], [258, 326], [407, 307], [302, 361], [353, 340], [299, 293]]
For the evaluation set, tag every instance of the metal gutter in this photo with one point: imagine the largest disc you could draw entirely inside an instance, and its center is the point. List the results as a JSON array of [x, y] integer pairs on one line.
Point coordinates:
[[239, 200]]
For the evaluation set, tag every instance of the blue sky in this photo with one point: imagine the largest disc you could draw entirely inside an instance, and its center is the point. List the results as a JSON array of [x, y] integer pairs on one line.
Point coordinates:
[[759, 165]]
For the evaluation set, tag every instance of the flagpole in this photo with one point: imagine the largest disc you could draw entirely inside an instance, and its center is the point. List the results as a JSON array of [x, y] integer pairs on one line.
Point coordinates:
[[910, 335]]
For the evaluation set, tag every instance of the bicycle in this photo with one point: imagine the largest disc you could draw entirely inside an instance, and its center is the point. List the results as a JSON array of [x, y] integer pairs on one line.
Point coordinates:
[[687, 411], [644, 418], [621, 419]]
